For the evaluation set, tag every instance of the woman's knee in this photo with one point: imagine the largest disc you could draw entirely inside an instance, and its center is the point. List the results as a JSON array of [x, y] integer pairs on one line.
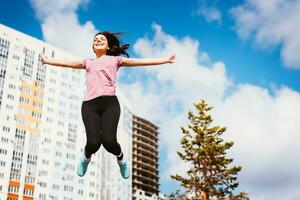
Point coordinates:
[[111, 145], [93, 146]]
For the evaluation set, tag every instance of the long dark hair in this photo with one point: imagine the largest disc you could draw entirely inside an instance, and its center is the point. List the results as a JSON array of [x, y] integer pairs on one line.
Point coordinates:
[[115, 45]]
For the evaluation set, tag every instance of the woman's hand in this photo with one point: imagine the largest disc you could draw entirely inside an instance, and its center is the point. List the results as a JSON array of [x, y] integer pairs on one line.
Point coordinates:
[[171, 58], [43, 58]]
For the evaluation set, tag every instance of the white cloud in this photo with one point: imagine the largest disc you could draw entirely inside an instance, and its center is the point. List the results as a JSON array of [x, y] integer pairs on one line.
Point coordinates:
[[45, 9], [61, 27], [263, 126], [187, 71], [66, 32], [264, 129], [209, 12], [271, 23]]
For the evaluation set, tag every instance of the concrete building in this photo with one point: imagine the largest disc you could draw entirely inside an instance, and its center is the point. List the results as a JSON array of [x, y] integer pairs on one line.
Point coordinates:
[[145, 179]]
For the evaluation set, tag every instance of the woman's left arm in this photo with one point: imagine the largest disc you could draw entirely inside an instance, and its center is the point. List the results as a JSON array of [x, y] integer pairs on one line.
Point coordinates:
[[146, 62]]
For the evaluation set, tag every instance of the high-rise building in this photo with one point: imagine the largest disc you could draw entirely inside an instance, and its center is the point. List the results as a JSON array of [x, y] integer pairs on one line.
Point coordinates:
[[145, 179], [41, 131]]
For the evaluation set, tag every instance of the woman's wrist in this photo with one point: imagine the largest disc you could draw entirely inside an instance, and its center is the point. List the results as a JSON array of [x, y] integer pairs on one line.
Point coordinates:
[[167, 60]]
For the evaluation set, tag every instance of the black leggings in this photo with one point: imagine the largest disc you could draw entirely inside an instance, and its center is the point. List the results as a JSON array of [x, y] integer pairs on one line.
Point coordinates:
[[100, 117]]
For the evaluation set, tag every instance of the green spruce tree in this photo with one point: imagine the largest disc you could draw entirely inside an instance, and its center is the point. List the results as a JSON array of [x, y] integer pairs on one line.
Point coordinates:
[[178, 195], [210, 173]]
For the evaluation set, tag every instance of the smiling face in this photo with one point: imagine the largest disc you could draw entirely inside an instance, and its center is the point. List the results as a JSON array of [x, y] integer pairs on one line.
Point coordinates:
[[100, 44]]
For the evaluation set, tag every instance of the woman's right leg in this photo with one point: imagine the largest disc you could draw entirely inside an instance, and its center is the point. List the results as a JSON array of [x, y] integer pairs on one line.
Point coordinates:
[[91, 120]]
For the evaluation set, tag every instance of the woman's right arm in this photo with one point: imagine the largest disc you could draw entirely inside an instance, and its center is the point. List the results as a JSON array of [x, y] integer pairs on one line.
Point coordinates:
[[76, 64]]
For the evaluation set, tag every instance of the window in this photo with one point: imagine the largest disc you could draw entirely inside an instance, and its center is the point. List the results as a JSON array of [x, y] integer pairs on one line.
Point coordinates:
[[6, 129], [27, 68], [10, 96], [2, 163], [3, 151]]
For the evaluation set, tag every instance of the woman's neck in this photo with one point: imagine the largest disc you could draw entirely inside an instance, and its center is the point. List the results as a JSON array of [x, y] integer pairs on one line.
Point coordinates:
[[99, 54]]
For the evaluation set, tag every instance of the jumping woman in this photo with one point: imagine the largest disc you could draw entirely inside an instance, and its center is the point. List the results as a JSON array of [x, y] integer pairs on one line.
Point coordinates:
[[100, 108]]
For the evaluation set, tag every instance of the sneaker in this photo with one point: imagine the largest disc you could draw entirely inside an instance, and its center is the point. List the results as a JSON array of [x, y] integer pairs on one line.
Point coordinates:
[[124, 169], [82, 167]]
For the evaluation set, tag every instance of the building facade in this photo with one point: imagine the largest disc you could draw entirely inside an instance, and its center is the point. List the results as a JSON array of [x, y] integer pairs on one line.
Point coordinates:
[[41, 131], [145, 178]]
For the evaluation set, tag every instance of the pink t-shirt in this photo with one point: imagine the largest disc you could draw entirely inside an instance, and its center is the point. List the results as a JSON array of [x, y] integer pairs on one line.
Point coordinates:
[[101, 76]]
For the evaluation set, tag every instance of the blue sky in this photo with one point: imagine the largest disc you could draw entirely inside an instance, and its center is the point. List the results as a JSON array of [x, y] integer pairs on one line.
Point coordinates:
[[176, 17], [249, 51]]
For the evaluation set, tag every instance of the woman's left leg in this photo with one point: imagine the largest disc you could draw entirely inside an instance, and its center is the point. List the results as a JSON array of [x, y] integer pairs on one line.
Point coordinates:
[[109, 123]]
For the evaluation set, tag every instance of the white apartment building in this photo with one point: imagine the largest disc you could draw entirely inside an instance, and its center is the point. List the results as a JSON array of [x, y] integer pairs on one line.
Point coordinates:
[[41, 131]]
